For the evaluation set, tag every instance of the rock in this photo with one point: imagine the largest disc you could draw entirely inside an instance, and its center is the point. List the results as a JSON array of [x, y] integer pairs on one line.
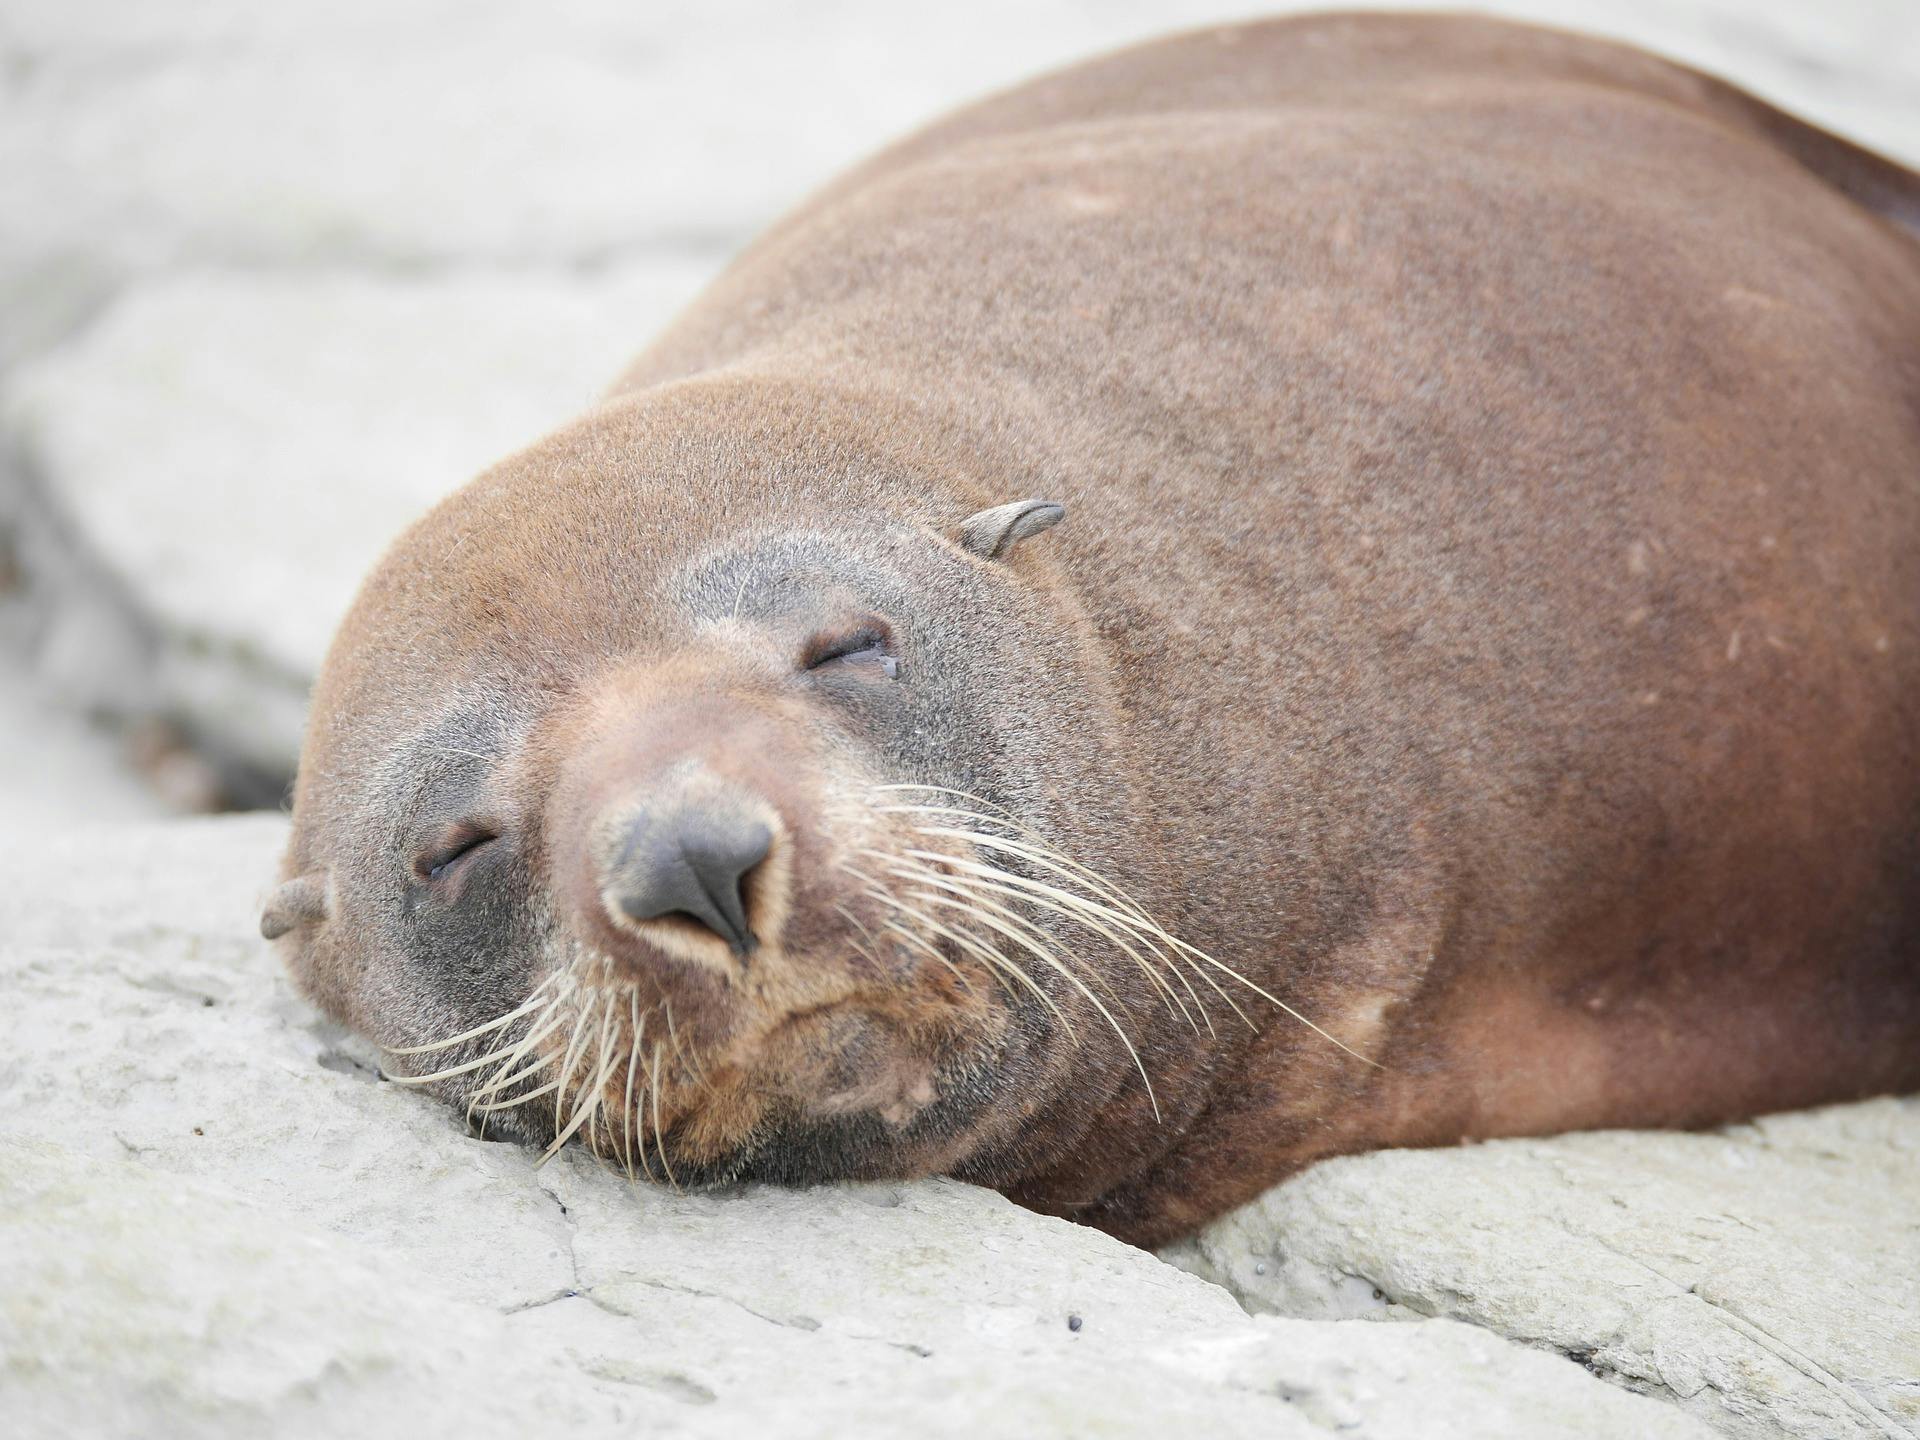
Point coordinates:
[[55, 767], [493, 131], [225, 457], [215, 1219], [1766, 1278], [1311, 1365], [124, 1317]]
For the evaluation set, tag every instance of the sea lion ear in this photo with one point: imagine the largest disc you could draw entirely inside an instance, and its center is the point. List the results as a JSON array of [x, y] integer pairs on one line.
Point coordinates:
[[296, 903], [992, 533]]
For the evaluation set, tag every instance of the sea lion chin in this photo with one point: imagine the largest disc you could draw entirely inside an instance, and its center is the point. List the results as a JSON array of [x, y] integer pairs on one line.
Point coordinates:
[[1240, 602]]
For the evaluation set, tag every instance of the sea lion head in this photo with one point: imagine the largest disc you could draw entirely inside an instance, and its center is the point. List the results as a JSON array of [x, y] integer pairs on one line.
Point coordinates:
[[720, 784]]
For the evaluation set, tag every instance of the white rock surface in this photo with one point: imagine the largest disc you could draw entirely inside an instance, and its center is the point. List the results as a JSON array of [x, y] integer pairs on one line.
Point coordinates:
[[291, 271], [56, 768], [1767, 1278], [494, 130], [238, 449], [215, 1220]]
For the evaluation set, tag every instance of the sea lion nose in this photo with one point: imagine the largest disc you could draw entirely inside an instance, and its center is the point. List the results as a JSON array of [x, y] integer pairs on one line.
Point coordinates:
[[690, 864]]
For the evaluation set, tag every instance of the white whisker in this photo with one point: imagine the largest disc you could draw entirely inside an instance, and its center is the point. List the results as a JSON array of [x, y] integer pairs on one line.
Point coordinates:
[[627, 1118], [537, 1032], [659, 1132], [533, 1002], [452, 1070], [514, 1102], [974, 885], [998, 964], [1141, 926], [603, 1048], [1067, 975], [872, 887], [575, 1047], [589, 1101], [1046, 858]]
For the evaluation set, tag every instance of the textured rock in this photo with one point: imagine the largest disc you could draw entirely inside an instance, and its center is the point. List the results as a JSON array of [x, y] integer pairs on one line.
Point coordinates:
[[215, 1219], [218, 130], [55, 768], [1311, 1364], [232, 453], [1767, 1278]]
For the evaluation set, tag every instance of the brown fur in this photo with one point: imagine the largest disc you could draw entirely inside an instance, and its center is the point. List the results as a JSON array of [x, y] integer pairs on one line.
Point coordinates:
[[1485, 617]]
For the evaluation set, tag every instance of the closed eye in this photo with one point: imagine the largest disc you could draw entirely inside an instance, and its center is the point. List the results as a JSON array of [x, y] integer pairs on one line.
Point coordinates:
[[869, 644], [438, 863]]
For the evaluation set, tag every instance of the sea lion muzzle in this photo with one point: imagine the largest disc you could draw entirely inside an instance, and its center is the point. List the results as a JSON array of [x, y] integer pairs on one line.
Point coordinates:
[[689, 864], [676, 825]]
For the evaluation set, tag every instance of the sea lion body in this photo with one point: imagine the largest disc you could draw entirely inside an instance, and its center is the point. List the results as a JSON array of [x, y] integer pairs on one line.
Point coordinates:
[[1484, 620]]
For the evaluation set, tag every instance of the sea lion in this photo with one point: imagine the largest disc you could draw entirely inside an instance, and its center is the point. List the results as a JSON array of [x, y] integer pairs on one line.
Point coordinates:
[[1325, 584]]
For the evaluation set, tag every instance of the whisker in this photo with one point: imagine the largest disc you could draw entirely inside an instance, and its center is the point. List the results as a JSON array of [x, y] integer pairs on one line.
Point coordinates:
[[875, 891], [501, 1076], [602, 1047], [468, 754], [503, 1054], [452, 1070], [865, 947], [973, 886], [992, 958], [575, 1048], [682, 1059], [1029, 936], [999, 965], [540, 1063], [740, 595], [1139, 920], [1037, 848], [1040, 850], [871, 887], [659, 1133], [1145, 926], [914, 940], [581, 1114], [589, 1102], [514, 1102], [640, 1108], [1045, 857], [533, 1002], [634, 1032], [551, 1019], [1072, 979]]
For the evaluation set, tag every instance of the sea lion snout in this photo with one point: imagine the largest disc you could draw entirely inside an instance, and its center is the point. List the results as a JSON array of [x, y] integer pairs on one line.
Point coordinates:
[[677, 819], [686, 857]]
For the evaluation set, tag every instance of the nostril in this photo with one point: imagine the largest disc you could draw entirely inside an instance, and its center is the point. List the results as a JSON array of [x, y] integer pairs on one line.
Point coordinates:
[[694, 867]]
